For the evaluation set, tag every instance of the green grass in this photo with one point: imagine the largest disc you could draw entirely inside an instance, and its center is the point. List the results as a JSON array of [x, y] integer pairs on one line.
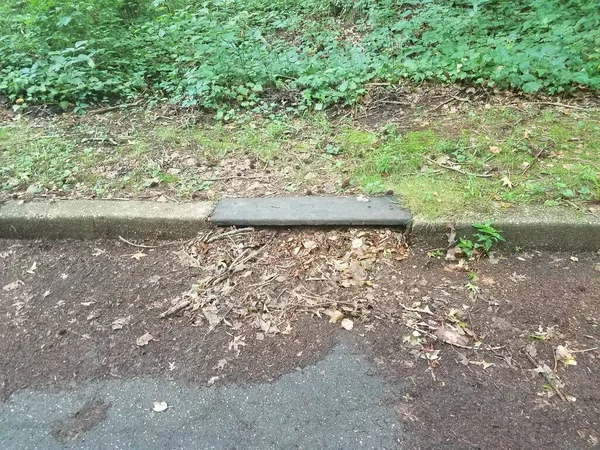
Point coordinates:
[[531, 157], [501, 144]]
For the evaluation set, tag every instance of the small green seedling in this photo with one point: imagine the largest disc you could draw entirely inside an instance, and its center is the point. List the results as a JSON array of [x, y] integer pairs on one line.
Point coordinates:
[[486, 237]]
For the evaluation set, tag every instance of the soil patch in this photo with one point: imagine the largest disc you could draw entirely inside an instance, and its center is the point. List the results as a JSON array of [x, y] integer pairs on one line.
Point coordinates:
[[78, 312]]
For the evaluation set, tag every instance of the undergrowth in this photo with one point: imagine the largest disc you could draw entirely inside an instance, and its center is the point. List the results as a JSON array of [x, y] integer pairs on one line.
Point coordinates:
[[254, 54]]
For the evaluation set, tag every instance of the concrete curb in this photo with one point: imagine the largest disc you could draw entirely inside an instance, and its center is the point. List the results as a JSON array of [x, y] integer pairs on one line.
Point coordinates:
[[88, 219], [533, 227], [543, 228]]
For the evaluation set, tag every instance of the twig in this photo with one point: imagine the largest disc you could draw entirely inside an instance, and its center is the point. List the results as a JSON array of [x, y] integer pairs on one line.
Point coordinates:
[[250, 177], [228, 233], [549, 379], [418, 310], [137, 245], [479, 175], [442, 104], [585, 350], [114, 108], [175, 309], [562, 105], [532, 162]]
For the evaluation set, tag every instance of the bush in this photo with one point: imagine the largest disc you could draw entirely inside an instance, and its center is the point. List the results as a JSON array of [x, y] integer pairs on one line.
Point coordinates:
[[312, 53]]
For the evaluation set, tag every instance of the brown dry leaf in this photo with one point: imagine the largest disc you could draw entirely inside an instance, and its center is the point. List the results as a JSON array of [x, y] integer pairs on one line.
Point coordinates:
[[144, 339], [451, 335], [334, 315], [495, 150], [506, 182], [347, 324]]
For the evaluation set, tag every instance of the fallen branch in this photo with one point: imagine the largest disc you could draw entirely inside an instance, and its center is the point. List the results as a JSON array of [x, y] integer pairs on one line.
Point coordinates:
[[549, 379], [233, 177], [114, 108], [121, 238], [227, 234], [456, 169], [175, 309], [532, 162], [562, 105]]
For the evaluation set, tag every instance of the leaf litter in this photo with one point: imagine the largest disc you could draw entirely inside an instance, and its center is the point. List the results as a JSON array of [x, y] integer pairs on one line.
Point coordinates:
[[254, 281]]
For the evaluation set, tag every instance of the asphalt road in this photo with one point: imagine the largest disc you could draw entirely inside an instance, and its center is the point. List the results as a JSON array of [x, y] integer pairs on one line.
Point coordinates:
[[334, 404]]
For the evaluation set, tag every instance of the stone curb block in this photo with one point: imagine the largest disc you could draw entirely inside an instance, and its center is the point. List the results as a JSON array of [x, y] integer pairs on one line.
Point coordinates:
[[543, 228], [88, 219]]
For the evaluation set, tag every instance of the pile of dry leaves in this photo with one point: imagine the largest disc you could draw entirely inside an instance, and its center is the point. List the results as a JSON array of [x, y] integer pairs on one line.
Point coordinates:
[[251, 278]]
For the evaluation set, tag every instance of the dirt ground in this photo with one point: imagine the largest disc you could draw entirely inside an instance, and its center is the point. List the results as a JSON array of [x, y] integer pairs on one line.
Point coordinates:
[[260, 304]]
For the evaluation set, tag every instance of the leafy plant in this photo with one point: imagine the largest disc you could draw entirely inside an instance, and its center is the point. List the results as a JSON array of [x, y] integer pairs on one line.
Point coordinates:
[[307, 54], [485, 238]]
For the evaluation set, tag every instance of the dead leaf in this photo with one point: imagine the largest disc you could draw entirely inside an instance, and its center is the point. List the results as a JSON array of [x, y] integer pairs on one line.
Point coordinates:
[[309, 245], [212, 380], [451, 335], [347, 324], [32, 268], [13, 286], [495, 150], [357, 243], [531, 350], [160, 406], [238, 341], [120, 323], [574, 259], [144, 339], [139, 255], [564, 355], [220, 364], [506, 182], [210, 312], [334, 315]]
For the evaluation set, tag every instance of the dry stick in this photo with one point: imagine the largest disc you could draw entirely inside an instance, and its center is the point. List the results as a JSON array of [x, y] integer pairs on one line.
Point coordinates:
[[233, 177], [114, 108], [442, 104], [175, 309], [561, 105], [137, 245], [548, 378], [585, 350], [228, 233], [421, 310], [479, 175], [532, 162]]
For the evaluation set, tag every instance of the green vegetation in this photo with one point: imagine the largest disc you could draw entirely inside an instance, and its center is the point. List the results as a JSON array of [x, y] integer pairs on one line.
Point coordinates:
[[481, 160], [259, 55], [496, 158], [485, 239]]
